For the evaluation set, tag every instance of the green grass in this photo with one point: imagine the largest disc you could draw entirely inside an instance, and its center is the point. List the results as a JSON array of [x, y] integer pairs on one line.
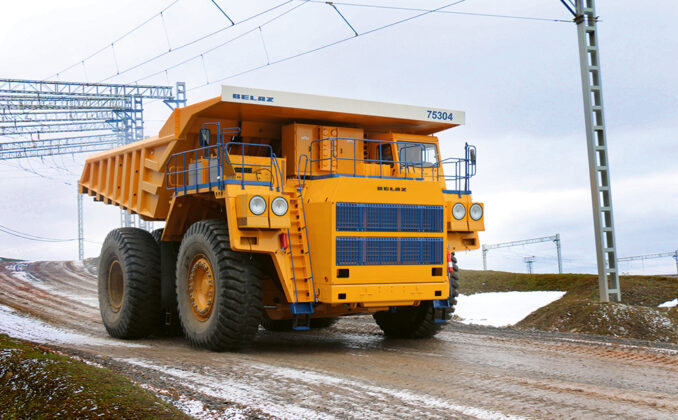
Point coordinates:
[[579, 310], [37, 383]]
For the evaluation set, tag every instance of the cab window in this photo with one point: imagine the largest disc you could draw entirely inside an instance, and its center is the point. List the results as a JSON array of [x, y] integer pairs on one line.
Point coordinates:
[[418, 153]]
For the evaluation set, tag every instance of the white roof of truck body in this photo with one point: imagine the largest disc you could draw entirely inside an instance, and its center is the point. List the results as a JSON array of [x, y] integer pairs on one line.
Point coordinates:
[[421, 119]]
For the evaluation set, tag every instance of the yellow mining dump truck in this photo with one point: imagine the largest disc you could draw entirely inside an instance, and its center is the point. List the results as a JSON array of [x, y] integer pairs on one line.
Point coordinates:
[[287, 211]]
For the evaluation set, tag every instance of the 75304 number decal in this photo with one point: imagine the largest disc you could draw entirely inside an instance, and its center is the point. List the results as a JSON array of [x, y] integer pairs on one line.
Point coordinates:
[[438, 115]]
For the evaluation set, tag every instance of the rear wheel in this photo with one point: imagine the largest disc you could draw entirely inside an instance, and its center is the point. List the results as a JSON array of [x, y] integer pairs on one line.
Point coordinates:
[[219, 291], [129, 283]]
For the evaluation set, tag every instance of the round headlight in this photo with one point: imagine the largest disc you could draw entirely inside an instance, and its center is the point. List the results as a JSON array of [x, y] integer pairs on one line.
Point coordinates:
[[279, 206], [257, 205], [476, 211], [458, 211]]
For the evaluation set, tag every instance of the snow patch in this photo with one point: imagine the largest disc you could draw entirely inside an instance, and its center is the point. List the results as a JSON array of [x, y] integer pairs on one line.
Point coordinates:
[[669, 304], [25, 328], [501, 309]]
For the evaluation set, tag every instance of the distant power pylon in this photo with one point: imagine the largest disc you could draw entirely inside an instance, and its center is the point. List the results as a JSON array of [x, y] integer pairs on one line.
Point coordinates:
[[555, 238], [673, 254], [95, 116], [529, 261]]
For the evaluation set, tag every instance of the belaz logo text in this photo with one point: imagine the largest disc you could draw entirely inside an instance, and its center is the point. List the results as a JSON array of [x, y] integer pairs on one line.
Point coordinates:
[[253, 98], [401, 189]]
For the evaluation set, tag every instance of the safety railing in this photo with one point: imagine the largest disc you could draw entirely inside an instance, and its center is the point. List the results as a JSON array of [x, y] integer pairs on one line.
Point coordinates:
[[203, 168], [456, 172], [404, 166]]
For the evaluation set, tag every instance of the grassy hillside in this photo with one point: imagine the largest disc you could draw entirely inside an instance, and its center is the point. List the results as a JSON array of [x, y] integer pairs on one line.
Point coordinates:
[[37, 383], [579, 310]]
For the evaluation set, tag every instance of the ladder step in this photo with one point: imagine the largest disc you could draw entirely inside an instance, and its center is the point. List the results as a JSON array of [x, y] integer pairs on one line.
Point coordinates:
[[601, 168], [608, 249]]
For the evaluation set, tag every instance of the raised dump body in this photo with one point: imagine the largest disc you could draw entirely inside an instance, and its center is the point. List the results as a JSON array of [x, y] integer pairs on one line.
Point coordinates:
[[287, 210]]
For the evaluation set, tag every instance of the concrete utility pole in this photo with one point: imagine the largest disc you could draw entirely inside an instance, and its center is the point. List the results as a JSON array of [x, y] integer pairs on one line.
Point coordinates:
[[599, 169], [555, 238]]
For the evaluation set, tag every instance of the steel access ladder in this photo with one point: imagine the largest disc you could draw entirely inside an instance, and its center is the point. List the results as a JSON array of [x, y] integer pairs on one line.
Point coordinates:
[[300, 254], [601, 193]]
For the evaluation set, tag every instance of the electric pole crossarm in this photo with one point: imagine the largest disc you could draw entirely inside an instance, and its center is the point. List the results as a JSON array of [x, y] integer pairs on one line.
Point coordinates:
[[555, 238], [648, 256], [523, 242]]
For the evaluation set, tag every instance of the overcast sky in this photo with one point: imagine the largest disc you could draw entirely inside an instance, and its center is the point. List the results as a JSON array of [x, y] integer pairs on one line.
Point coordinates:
[[517, 80]]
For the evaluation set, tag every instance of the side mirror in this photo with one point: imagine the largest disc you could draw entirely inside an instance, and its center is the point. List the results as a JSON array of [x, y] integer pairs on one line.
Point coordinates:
[[472, 156], [205, 137]]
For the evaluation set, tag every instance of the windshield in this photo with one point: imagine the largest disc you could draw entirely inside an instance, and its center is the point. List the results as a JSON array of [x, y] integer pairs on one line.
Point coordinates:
[[418, 153]]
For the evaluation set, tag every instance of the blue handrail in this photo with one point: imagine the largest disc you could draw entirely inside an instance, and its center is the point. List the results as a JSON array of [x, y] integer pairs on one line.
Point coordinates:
[[189, 179]]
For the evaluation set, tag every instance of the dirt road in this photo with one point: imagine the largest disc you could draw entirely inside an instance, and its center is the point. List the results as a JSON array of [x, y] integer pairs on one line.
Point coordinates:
[[351, 370]]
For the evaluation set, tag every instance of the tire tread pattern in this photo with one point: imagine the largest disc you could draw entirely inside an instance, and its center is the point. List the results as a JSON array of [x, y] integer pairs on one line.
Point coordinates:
[[139, 258], [239, 304]]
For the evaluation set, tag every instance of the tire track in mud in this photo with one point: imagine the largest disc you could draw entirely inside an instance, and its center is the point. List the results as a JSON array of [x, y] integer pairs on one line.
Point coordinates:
[[351, 371]]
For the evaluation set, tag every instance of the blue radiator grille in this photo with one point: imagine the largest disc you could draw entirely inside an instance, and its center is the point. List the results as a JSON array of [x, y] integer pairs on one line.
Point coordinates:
[[372, 217], [389, 251]]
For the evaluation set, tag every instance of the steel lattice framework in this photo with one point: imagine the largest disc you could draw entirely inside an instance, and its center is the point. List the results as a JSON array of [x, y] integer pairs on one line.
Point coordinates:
[[33, 112]]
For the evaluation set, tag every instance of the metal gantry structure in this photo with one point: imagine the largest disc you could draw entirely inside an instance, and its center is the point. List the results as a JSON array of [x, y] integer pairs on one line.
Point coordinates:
[[673, 254], [554, 238], [36, 117]]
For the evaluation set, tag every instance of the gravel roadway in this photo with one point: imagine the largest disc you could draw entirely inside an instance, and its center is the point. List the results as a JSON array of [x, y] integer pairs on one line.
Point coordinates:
[[350, 370]]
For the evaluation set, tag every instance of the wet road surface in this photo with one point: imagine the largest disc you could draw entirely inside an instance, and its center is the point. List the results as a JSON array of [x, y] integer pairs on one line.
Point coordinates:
[[351, 371]]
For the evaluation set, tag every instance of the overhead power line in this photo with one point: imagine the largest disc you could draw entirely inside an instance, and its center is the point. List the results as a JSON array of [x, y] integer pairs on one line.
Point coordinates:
[[111, 44], [36, 238], [450, 12], [330, 44], [187, 44]]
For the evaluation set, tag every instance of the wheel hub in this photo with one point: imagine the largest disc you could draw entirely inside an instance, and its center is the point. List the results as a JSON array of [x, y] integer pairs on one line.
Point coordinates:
[[116, 289], [201, 287]]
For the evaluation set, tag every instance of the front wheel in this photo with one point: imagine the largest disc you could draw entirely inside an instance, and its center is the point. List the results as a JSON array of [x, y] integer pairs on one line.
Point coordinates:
[[409, 321], [219, 291], [418, 321]]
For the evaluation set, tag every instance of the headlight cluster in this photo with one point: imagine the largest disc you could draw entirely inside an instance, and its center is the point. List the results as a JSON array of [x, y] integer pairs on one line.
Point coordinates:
[[279, 206], [476, 212], [459, 211], [257, 205]]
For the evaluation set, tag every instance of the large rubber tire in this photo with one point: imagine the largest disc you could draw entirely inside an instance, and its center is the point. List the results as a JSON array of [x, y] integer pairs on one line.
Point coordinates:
[[418, 321], [454, 283], [129, 283], [408, 321], [230, 319]]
